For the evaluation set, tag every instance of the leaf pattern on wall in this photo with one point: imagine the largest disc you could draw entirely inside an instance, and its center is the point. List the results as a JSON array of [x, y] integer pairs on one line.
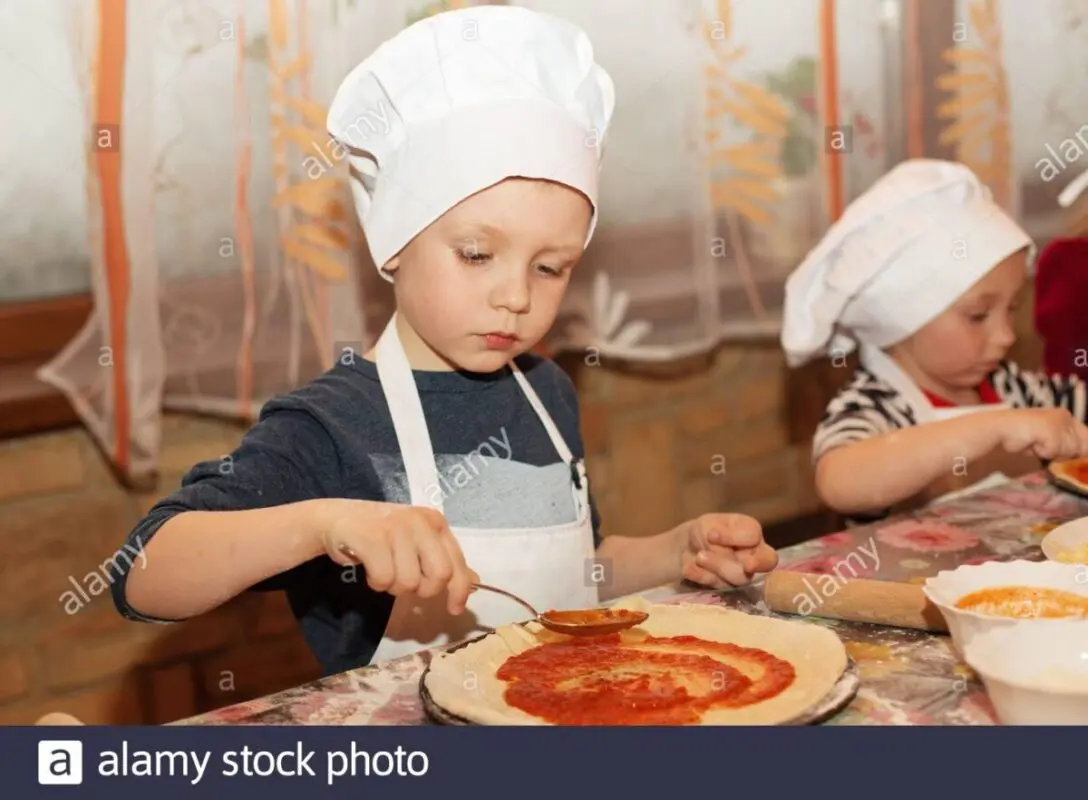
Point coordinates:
[[978, 111], [742, 175], [313, 242]]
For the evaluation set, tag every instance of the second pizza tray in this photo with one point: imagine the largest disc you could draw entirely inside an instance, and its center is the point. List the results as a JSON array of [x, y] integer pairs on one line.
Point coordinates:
[[840, 696], [1063, 482]]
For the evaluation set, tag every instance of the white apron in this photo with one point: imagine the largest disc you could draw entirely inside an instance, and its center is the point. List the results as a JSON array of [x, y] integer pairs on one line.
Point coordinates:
[[550, 567], [886, 369]]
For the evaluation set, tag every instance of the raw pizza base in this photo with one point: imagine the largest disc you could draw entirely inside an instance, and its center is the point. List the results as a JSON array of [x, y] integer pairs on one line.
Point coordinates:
[[463, 682], [1062, 472]]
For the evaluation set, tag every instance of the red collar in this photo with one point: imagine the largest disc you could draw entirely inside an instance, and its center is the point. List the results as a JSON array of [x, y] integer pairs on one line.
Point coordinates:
[[986, 392]]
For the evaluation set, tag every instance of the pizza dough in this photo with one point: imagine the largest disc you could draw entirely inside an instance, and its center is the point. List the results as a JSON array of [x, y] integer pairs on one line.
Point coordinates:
[[1070, 475], [464, 682]]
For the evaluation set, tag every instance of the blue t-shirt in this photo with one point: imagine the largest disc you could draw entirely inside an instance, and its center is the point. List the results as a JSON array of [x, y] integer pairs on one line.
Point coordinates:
[[334, 437]]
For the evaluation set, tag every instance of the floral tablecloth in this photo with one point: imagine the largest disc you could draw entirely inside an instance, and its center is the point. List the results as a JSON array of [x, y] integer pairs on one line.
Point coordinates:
[[908, 677]]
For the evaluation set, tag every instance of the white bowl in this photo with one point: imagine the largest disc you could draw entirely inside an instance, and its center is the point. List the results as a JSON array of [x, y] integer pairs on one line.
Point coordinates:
[[1035, 674], [1066, 539], [948, 586]]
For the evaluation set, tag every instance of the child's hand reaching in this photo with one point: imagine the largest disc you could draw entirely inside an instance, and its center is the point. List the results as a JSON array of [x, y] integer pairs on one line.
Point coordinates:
[[723, 550], [403, 549], [1052, 434]]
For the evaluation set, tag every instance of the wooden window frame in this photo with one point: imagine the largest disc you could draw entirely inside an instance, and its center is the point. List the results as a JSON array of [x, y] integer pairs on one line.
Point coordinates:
[[32, 333]]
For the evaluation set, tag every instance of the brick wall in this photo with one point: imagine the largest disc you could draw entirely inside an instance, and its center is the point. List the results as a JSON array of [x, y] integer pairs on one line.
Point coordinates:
[[707, 434], [663, 445], [62, 516]]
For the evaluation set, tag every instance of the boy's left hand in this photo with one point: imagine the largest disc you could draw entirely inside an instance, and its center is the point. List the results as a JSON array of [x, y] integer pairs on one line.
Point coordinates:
[[723, 550]]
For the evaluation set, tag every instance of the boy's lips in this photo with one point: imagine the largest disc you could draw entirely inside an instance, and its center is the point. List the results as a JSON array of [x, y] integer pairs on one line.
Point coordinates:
[[498, 340]]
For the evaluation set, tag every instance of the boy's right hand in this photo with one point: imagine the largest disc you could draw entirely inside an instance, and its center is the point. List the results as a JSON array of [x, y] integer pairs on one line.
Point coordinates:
[[403, 549], [1051, 434]]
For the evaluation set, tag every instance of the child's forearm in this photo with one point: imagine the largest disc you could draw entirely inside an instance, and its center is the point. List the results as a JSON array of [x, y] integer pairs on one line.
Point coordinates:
[[199, 560], [631, 564], [878, 473]]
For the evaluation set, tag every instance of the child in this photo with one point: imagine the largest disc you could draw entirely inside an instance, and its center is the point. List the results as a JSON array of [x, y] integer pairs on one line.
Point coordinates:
[[448, 454], [1061, 291], [924, 272]]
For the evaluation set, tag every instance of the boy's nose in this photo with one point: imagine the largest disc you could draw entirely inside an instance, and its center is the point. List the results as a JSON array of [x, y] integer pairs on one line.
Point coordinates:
[[1006, 335], [513, 295]]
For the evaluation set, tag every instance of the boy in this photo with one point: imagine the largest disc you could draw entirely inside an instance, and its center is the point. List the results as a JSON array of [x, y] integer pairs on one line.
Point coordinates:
[[448, 454], [924, 273]]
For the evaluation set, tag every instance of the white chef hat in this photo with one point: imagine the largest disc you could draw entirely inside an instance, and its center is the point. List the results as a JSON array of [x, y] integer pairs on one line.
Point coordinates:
[[900, 255], [460, 101]]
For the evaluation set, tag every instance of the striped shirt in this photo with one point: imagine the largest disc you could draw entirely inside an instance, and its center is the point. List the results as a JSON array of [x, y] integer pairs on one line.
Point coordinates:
[[868, 406]]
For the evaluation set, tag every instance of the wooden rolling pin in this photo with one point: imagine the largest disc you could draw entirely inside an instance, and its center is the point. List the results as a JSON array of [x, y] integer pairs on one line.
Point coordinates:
[[901, 605]]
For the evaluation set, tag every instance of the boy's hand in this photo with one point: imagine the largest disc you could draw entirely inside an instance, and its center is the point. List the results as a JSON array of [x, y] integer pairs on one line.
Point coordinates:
[[1052, 434], [403, 549], [723, 550]]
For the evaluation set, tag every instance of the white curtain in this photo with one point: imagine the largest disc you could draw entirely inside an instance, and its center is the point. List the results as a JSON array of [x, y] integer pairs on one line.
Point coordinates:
[[220, 242]]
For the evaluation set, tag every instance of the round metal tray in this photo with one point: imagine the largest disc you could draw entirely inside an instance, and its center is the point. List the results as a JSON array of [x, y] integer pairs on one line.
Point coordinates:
[[840, 696], [1065, 484]]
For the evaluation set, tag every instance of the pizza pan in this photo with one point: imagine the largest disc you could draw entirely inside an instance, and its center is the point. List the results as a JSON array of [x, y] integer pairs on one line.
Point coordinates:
[[1065, 483], [840, 696]]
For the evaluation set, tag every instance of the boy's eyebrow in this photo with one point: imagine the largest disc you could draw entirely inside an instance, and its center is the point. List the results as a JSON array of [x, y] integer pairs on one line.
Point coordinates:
[[484, 228], [494, 232], [978, 301], [571, 249], [989, 297]]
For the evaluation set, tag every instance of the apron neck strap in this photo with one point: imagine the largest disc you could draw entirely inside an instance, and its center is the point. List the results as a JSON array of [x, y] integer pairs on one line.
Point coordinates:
[[578, 474], [558, 441], [406, 409], [884, 367]]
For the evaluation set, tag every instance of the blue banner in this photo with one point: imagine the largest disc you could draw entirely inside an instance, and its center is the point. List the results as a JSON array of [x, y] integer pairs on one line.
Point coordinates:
[[160, 763]]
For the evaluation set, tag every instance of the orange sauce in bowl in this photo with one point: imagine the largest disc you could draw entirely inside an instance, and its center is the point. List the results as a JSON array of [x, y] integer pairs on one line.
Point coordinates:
[[1025, 602]]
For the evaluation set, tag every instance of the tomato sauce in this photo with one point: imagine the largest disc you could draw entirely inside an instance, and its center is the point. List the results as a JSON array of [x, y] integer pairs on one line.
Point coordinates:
[[1078, 471], [604, 680], [591, 616]]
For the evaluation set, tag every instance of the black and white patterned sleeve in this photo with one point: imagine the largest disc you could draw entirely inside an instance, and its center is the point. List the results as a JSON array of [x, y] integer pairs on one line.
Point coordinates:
[[1029, 389], [857, 413]]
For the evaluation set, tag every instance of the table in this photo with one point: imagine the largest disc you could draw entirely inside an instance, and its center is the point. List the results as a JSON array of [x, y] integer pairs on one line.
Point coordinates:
[[908, 677]]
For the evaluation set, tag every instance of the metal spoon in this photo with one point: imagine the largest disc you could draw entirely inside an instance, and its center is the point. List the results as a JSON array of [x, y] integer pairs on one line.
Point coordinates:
[[588, 622], [585, 622]]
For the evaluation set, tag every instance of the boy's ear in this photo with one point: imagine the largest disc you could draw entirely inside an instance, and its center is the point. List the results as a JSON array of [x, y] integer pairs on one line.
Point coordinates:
[[391, 266]]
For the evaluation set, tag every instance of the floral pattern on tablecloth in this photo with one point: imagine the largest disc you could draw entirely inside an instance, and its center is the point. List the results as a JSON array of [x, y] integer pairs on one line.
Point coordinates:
[[908, 677]]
